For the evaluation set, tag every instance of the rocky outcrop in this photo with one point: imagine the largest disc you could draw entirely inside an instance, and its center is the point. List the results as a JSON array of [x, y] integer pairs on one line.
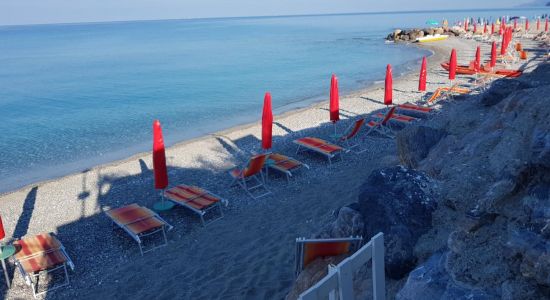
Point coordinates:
[[414, 143], [399, 202]]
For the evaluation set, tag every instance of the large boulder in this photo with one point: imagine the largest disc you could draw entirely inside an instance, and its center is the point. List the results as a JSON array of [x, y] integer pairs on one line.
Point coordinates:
[[501, 89], [415, 142], [399, 202], [430, 280], [349, 222]]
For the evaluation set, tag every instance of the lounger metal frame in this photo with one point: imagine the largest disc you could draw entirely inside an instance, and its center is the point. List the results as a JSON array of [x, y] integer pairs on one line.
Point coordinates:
[[202, 212], [31, 279], [242, 181], [355, 244], [345, 138], [328, 155], [138, 237]]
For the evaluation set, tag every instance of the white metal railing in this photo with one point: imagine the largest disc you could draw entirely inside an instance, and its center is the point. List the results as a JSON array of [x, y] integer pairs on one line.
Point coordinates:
[[339, 280]]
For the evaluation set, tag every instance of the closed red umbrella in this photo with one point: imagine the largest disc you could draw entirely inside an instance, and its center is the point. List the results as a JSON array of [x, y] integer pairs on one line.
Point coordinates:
[[477, 61], [493, 55], [159, 165], [466, 25], [485, 28], [388, 88], [503, 45], [546, 25], [334, 100], [526, 24], [423, 76], [267, 123], [475, 27], [452, 65], [538, 24], [493, 28], [2, 232], [515, 23]]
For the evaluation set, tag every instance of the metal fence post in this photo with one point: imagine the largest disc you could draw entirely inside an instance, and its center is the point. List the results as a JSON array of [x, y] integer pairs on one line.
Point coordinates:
[[345, 280], [378, 274]]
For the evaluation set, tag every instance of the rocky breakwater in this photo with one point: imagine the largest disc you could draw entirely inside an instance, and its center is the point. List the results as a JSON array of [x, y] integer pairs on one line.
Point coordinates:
[[410, 35], [467, 215]]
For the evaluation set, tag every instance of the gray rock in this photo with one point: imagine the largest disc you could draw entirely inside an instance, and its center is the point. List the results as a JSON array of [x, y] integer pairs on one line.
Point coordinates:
[[415, 142], [430, 280], [540, 146], [500, 90], [399, 202], [534, 251], [349, 222]]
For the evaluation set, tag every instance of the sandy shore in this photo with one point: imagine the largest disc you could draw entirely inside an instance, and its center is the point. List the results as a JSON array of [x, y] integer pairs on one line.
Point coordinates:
[[249, 253]]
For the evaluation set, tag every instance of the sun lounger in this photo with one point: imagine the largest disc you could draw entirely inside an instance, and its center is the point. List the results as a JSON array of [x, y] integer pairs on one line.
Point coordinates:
[[251, 171], [307, 250], [349, 134], [139, 222], [383, 126], [320, 146], [198, 200], [402, 119], [447, 92], [283, 164], [41, 254], [415, 110]]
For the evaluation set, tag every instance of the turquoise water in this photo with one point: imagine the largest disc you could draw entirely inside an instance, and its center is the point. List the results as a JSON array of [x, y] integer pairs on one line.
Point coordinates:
[[76, 95]]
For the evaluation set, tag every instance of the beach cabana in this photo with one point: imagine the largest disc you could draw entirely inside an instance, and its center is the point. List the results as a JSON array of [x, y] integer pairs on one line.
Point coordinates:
[[251, 172], [39, 255], [196, 199], [319, 146], [139, 222], [308, 250]]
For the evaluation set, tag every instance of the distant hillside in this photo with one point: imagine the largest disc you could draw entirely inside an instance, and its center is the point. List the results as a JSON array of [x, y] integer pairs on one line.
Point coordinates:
[[536, 3]]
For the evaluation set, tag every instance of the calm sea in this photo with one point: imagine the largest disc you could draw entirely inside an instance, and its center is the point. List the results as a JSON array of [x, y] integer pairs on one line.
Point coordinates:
[[76, 95]]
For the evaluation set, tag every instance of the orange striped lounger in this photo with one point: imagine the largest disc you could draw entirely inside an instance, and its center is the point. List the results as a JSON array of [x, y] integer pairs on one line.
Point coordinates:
[[139, 222], [308, 250], [41, 254], [284, 164], [196, 199], [320, 146]]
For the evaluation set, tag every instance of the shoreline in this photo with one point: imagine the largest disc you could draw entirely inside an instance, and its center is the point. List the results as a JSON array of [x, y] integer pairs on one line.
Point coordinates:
[[295, 107]]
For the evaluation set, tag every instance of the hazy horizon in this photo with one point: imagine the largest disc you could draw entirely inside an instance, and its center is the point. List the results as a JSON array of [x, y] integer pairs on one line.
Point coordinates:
[[32, 12]]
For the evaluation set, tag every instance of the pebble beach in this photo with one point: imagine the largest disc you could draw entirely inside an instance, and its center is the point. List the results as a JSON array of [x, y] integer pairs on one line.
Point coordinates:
[[249, 253]]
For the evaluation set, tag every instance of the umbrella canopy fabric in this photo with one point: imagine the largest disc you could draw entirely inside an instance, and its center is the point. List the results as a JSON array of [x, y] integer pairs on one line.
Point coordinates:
[[526, 24], [485, 28], [423, 75], [503, 45], [267, 123], [477, 61], [388, 87], [159, 157], [494, 54], [452, 65], [334, 100], [493, 28], [2, 232]]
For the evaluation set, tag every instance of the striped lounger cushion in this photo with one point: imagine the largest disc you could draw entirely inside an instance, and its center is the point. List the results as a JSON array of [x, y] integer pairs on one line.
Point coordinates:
[[136, 218], [192, 196], [44, 250], [400, 118], [283, 162], [319, 144], [416, 108]]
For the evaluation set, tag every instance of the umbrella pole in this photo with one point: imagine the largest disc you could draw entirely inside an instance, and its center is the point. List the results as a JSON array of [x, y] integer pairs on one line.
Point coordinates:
[[163, 205]]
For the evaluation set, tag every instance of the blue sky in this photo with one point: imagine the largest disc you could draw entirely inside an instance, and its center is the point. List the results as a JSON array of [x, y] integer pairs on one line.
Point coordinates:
[[68, 11]]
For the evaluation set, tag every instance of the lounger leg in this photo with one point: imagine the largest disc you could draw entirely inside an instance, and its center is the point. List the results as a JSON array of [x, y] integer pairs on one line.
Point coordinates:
[[164, 235], [202, 221], [140, 249]]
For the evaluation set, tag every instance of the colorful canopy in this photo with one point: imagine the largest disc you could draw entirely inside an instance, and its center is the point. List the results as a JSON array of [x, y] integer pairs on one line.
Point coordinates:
[[267, 123], [423, 74], [159, 157], [388, 87], [334, 100]]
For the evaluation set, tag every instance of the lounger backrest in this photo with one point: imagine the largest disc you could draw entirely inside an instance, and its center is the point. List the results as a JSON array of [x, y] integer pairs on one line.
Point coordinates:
[[255, 165], [314, 250], [355, 130], [388, 116]]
